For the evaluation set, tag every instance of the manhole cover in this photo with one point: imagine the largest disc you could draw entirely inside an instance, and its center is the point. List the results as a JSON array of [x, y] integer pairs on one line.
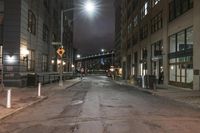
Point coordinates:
[[76, 102]]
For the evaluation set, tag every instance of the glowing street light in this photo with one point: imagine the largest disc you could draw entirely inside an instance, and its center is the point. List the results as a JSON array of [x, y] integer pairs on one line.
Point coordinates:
[[78, 56], [102, 50], [90, 7]]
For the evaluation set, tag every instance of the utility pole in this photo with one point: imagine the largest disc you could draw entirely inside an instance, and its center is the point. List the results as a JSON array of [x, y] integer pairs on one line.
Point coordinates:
[[1, 67]]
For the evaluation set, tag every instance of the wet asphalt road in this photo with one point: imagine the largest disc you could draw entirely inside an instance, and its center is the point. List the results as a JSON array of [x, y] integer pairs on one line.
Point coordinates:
[[98, 105]]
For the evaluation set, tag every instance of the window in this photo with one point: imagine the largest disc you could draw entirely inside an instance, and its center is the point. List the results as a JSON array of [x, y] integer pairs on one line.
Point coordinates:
[[182, 41], [31, 22], [44, 63], [156, 49], [172, 40], [129, 43], [46, 4], [1, 6], [143, 61], [182, 70], [31, 61], [156, 23], [180, 58], [154, 2], [135, 38], [144, 10], [178, 7], [189, 38], [157, 61], [135, 21], [45, 33], [144, 32], [129, 27]]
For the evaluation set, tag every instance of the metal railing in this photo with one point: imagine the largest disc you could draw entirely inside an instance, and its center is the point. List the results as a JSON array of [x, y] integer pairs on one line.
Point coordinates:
[[46, 78]]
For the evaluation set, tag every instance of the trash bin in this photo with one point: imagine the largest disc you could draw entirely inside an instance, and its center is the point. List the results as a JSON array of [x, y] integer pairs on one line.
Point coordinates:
[[32, 79], [139, 81], [150, 81]]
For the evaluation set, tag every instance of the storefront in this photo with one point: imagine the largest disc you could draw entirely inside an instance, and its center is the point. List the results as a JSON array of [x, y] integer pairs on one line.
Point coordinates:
[[181, 58]]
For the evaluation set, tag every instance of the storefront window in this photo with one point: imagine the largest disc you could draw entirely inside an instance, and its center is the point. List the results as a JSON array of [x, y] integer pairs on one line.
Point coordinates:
[[173, 44], [181, 41], [189, 72], [172, 73], [181, 58], [189, 38], [172, 61]]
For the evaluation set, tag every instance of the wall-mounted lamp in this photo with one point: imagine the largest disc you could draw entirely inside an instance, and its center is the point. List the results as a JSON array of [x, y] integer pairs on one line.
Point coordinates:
[[52, 61], [58, 62], [64, 63], [10, 59], [24, 53]]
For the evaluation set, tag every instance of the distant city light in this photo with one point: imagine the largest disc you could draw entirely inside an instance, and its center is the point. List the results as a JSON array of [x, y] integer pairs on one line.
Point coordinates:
[[78, 56]]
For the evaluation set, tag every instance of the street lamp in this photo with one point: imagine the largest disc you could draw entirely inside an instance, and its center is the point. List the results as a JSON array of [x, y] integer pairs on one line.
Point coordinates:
[[102, 50], [89, 7], [78, 56]]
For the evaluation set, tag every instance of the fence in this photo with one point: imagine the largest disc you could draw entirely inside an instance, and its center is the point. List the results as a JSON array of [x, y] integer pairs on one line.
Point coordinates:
[[46, 78]]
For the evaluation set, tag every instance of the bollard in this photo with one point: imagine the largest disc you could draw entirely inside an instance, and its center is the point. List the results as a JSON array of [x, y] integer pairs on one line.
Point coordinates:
[[39, 89], [8, 104]]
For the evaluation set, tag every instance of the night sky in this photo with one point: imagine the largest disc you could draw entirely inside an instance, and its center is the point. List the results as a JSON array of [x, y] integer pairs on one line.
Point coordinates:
[[91, 34]]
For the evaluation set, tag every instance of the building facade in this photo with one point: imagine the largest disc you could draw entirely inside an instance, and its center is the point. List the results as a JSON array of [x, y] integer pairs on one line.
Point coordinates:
[[29, 28], [161, 38], [117, 61]]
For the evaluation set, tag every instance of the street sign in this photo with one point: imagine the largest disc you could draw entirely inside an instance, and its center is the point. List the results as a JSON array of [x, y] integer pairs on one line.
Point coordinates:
[[56, 43], [60, 51]]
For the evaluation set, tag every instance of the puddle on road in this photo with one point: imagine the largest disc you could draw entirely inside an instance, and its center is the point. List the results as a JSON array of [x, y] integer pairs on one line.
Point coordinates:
[[77, 102]]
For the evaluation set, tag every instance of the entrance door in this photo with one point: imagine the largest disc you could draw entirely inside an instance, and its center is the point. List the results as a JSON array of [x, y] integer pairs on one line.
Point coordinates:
[[157, 70]]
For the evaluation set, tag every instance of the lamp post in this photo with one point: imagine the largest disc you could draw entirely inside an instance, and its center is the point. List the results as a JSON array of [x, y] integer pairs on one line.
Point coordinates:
[[1, 67], [88, 7]]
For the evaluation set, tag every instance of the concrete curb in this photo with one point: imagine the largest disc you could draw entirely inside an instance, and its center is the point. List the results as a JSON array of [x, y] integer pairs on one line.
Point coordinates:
[[154, 93], [136, 87], [75, 83], [23, 108]]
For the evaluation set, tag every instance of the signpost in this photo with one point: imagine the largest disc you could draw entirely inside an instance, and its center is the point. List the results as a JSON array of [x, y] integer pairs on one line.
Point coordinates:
[[60, 51]]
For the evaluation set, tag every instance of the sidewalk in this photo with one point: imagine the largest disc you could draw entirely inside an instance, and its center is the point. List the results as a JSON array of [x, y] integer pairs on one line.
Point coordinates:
[[27, 96], [190, 97]]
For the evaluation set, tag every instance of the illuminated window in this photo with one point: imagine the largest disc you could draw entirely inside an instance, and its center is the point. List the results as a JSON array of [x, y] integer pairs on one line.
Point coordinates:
[[181, 58], [144, 10]]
